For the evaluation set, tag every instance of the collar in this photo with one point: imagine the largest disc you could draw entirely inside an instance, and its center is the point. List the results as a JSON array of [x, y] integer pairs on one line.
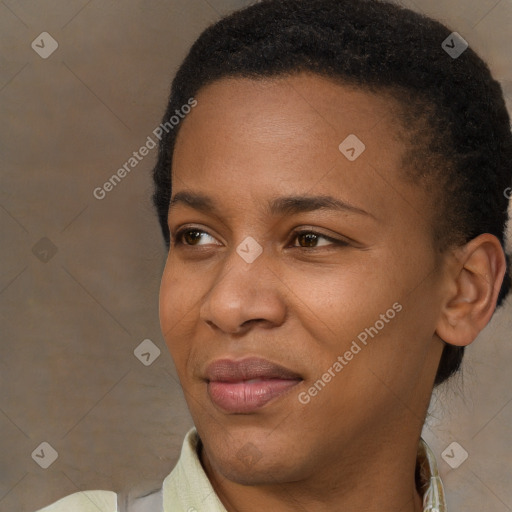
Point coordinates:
[[428, 480]]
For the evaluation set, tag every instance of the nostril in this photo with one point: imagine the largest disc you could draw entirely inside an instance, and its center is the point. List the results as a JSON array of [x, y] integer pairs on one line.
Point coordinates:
[[249, 322], [210, 324]]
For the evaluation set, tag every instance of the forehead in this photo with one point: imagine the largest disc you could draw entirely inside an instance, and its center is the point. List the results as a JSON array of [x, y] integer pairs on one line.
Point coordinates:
[[307, 98], [294, 133]]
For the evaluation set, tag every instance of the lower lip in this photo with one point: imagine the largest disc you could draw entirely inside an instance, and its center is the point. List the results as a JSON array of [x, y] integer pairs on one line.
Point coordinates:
[[249, 395]]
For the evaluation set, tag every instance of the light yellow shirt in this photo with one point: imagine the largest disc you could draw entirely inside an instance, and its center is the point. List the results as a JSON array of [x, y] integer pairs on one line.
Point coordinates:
[[187, 488]]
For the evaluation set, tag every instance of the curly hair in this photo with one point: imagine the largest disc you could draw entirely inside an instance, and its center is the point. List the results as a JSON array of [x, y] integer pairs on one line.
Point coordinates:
[[451, 109]]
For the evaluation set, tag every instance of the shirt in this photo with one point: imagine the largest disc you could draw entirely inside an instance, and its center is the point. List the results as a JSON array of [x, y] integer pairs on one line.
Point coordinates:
[[188, 489]]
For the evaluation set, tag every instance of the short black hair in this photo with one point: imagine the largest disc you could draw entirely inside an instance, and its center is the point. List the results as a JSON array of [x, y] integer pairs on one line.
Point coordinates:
[[459, 128]]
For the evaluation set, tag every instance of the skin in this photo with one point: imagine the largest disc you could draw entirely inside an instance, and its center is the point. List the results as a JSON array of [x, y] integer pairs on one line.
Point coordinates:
[[300, 304]]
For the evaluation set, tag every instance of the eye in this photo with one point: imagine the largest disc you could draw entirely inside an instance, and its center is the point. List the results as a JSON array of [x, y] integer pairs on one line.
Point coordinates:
[[310, 239], [189, 236], [306, 237]]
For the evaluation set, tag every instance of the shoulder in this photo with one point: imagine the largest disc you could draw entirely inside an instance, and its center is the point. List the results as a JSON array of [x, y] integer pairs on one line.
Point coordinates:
[[85, 501]]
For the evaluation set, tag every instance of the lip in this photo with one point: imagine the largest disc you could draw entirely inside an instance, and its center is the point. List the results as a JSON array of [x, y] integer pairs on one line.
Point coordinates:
[[243, 386]]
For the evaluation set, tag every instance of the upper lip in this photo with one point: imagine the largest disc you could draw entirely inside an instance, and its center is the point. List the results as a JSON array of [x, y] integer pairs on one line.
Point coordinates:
[[230, 370]]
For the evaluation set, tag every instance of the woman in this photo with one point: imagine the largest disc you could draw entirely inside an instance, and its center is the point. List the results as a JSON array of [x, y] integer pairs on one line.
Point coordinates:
[[333, 204]]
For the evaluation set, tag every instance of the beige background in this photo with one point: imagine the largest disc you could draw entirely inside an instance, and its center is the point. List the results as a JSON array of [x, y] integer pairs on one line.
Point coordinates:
[[68, 373]]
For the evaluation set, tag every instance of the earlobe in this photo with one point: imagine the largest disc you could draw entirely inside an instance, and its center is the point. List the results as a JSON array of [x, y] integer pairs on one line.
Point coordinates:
[[475, 278]]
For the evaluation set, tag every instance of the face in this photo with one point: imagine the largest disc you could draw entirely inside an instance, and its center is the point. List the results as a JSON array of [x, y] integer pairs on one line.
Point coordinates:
[[301, 290]]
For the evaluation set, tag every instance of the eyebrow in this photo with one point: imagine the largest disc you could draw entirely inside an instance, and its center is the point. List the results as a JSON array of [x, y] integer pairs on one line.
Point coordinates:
[[279, 206]]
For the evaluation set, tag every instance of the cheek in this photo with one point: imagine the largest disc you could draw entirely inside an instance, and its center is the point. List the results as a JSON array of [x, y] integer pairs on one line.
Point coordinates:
[[336, 303], [365, 313], [167, 300], [384, 337], [177, 306]]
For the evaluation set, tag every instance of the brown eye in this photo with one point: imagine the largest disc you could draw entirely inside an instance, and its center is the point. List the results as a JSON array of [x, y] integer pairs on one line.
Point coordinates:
[[190, 237], [309, 239]]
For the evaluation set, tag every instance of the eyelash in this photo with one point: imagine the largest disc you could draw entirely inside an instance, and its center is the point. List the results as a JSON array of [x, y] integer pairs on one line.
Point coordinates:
[[177, 240]]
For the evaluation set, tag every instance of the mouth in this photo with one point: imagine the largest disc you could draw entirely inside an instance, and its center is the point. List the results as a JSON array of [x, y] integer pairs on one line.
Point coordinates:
[[246, 385]]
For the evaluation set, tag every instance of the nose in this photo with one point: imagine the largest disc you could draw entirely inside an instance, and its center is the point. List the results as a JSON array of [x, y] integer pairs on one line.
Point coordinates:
[[243, 295]]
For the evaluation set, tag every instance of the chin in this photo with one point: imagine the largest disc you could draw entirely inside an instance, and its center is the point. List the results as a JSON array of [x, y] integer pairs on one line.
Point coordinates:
[[257, 462], [259, 473]]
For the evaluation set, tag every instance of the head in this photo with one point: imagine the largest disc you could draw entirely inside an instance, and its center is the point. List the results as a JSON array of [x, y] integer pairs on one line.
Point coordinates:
[[417, 265]]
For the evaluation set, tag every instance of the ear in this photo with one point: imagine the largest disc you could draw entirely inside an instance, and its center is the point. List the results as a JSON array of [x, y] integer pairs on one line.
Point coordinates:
[[474, 281]]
